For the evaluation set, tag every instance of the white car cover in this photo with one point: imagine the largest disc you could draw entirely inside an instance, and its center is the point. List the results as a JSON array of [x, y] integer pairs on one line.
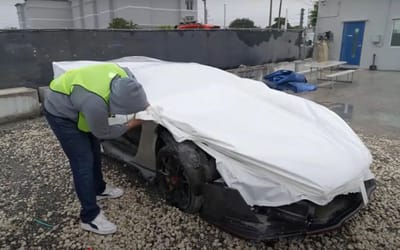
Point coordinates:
[[274, 148]]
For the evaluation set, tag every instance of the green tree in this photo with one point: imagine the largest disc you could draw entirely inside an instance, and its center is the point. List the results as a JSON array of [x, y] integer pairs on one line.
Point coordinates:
[[166, 27], [314, 15], [242, 23], [276, 20], [297, 27], [121, 23]]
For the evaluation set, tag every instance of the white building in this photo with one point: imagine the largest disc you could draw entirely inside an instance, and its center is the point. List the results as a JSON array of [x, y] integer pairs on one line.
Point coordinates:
[[97, 14], [362, 28]]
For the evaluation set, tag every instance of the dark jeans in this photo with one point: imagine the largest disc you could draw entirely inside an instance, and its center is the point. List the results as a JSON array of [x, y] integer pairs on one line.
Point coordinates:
[[83, 152]]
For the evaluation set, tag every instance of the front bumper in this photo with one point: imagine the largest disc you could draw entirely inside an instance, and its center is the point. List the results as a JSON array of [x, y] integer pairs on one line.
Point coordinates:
[[226, 208]]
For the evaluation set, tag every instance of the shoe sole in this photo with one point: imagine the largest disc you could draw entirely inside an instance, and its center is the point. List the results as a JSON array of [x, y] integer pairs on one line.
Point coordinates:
[[91, 229], [98, 198]]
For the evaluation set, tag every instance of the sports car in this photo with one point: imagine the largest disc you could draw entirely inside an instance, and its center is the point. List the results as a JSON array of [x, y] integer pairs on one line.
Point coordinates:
[[258, 163]]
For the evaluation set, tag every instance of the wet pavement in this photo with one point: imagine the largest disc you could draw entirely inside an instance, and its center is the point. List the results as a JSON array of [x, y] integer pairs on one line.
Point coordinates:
[[370, 104]]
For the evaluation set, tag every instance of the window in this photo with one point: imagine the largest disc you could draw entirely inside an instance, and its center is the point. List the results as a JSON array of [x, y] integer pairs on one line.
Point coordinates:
[[189, 4], [396, 33]]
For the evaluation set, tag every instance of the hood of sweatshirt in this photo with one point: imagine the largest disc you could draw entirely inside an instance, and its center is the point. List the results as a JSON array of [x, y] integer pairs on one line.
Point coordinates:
[[127, 96]]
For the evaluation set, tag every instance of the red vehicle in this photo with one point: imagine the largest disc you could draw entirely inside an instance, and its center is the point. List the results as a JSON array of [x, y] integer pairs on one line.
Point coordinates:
[[193, 26]]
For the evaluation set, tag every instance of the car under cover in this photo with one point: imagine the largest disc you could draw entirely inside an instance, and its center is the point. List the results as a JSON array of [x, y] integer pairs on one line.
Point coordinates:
[[274, 148]]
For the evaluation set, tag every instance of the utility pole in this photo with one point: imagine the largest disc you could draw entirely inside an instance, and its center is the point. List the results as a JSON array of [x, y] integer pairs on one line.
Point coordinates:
[[286, 20], [224, 15], [279, 16], [270, 13], [205, 11], [301, 18]]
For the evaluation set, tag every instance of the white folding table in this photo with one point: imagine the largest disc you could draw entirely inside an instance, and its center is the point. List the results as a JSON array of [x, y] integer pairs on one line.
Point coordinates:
[[318, 67]]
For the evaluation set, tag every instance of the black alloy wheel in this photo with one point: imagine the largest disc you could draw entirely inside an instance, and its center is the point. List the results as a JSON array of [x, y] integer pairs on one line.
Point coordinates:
[[180, 179]]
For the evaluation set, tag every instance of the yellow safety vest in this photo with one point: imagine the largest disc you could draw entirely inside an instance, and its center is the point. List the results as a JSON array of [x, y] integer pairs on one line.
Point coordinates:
[[94, 78]]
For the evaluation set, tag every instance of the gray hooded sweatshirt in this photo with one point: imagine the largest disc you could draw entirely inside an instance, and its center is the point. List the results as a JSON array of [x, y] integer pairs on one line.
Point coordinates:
[[127, 97]]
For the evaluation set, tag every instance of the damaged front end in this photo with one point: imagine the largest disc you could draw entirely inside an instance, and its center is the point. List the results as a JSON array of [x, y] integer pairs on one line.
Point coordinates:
[[226, 208]]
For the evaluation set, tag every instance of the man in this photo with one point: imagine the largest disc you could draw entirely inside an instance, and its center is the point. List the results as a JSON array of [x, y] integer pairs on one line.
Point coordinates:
[[77, 109]]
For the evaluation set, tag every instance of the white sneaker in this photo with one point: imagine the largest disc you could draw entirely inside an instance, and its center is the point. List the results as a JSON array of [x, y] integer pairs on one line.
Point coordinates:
[[110, 192], [100, 225]]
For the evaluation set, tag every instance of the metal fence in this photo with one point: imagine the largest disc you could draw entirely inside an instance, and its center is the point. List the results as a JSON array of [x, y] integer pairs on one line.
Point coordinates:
[[26, 55]]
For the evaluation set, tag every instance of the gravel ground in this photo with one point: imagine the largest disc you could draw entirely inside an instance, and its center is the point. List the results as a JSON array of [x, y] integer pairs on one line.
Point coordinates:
[[36, 187]]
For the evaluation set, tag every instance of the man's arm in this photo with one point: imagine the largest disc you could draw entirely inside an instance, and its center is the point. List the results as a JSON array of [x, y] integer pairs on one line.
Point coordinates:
[[96, 114]]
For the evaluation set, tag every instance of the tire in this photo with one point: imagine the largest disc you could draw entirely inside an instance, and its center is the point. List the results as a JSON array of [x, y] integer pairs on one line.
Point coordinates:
[[180, 176]]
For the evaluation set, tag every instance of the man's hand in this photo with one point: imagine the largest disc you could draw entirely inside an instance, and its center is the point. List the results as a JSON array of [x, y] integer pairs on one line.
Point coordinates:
[[134, 123]]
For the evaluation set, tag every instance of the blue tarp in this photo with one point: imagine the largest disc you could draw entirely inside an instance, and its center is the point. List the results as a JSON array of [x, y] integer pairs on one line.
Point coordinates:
[[288, 80]]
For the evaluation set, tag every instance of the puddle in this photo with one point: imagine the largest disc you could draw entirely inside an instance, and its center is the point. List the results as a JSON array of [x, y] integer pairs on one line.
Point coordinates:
[[344, 110]]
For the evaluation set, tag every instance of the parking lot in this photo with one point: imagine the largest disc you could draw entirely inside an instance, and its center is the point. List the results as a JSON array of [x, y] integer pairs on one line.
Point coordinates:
[[39, 207]]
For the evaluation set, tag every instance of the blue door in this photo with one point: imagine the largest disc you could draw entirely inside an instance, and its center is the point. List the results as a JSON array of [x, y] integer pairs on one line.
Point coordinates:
[[353, 34]]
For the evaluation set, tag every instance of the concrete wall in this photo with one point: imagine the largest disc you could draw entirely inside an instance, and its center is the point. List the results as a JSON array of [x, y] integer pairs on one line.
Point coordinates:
[[18, 103], [379, 17], [97, 14], [105, 13], [21, 16], [26, 56], [45, 14]]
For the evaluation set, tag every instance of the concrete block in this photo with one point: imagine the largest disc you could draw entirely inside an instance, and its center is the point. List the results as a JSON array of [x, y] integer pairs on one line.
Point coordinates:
[[18, 103], [43, 91]]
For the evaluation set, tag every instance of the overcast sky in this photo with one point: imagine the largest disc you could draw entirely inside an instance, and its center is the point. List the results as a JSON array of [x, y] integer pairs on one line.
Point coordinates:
[[256, 10]]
